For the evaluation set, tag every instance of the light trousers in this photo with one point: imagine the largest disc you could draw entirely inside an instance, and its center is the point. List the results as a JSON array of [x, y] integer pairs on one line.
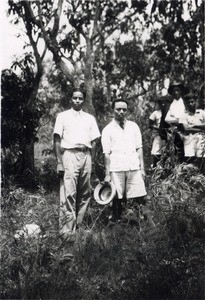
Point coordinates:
[[75, 190]]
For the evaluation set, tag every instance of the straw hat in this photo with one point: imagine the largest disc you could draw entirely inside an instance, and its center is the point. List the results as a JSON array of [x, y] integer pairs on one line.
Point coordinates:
[[104, 193]]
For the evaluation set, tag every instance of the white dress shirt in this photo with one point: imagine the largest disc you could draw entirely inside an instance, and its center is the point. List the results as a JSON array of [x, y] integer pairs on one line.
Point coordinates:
[[157, 141], [194, 143], [176, 110], [76, 129], [121, 144]]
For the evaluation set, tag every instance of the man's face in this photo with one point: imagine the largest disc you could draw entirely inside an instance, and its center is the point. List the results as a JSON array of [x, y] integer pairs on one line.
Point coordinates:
[[176, 92], [120, 110], [191, 105], [77, 100]]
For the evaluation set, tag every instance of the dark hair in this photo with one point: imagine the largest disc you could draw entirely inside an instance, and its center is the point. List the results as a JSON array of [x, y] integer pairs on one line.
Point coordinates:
[[190, 96], [79, 90], [118, 100]]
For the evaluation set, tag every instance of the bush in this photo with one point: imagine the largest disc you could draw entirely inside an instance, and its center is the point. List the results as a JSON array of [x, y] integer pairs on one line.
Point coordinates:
[[161, 259]]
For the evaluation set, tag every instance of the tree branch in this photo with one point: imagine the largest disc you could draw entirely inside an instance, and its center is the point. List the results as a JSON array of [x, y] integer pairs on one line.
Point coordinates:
[[96, 18], [57, 15], [51, 42], [27, 17]]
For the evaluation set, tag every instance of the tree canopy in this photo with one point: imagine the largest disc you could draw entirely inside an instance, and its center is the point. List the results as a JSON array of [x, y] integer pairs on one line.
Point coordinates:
[[111, 47], [86, 33]]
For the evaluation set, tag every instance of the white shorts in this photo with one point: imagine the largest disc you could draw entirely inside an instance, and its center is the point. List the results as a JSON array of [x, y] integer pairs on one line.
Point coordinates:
[[194, 145], [200, 146], [190, 141], [157, 145], [129, 184]]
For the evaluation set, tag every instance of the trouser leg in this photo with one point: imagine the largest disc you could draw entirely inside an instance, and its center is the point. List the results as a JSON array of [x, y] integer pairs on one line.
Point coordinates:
[[62, 215], [116, 208], [68, 207], [68, 192], [84, 189], [179, 147], [118, 178], [200, 163]]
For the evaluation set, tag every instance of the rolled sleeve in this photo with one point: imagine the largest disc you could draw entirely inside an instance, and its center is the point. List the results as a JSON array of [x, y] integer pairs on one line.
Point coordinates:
[[94, 131], [138, 137], [58, 128], [105, 141]]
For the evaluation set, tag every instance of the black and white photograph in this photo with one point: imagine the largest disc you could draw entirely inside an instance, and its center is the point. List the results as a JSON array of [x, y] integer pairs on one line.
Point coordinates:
[[102, 149]]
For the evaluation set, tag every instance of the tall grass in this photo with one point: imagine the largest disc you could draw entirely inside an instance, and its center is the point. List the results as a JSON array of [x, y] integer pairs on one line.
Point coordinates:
[[162, 258]]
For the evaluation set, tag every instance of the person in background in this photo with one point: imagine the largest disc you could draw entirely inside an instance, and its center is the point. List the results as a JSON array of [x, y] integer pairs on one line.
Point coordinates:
[[193, 122], [154, 124], [75, 135], [123, 156], [177, 108]]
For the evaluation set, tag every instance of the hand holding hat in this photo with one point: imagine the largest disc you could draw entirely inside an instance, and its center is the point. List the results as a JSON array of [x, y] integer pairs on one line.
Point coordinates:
[[104, 192], [107, 179]]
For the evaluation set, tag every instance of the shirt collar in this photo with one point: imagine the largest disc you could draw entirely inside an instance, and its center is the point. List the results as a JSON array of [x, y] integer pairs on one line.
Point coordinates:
[[75, 112], [180, 100], [116, 123]]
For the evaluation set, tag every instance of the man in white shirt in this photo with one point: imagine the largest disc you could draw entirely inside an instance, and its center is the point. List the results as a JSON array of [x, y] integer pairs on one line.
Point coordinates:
[[124, 164], [154, 124], [176, 110], [193, 122], [75, 135]]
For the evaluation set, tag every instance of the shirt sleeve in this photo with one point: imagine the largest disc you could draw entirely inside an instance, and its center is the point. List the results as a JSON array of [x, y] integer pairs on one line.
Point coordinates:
[[170, 117], [183, 119], [138, 137], [58, 128], [203, 116], [95, 133], [105, 141], [176, 110]]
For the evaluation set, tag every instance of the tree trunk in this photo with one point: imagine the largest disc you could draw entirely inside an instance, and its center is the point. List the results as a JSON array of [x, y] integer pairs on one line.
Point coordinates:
[[28, 157], [89, 78], [28, 149]]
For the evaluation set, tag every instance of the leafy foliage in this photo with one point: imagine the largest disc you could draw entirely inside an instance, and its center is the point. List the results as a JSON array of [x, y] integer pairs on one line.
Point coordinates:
[[157, 252], [87, 37], [20, 118], [160, 259]]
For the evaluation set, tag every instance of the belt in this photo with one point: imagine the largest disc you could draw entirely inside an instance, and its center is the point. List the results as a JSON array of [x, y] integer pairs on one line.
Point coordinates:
[[85, 149]]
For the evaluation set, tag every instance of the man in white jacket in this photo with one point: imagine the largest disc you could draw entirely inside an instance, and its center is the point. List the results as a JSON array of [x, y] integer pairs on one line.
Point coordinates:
[[176, 110], [124, 164]]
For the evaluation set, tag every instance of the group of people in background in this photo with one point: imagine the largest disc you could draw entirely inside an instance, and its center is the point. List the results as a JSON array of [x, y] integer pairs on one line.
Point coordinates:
[[182, 121], [75, 136]]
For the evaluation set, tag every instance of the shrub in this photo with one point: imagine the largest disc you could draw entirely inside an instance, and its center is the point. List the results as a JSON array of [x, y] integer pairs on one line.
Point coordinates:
[[162, 259]]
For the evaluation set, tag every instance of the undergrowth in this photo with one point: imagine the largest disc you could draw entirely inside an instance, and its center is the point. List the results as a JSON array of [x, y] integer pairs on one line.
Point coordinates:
[[159, 257]]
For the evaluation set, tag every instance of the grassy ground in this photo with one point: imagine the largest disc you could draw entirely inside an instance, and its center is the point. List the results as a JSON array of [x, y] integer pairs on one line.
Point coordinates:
[[156, 253]]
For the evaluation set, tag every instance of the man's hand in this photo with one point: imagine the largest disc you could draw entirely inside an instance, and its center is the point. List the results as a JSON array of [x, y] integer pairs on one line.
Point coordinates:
[[60, 170], [143, 173], [107, 178]]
